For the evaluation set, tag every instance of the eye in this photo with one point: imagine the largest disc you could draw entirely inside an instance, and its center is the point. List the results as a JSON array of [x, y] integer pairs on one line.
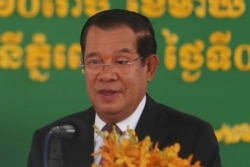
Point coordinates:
[[121, 62], [93, 62]]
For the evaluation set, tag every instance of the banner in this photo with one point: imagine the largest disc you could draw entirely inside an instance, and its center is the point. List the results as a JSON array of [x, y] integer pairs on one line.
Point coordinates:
[[204, 70]]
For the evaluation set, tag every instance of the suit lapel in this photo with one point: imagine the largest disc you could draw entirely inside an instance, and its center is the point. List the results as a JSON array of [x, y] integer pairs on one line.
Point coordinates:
[[151, 123], [146, 125]]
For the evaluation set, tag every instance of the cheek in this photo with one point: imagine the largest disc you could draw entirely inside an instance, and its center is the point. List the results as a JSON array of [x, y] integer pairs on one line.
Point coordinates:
[[135, 81], [89, 83]]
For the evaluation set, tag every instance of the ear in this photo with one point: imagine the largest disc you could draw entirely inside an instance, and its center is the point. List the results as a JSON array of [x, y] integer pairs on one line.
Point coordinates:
[[151, 63]]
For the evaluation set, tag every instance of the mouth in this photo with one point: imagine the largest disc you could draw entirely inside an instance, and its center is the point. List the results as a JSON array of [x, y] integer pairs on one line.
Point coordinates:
[[107, 92]]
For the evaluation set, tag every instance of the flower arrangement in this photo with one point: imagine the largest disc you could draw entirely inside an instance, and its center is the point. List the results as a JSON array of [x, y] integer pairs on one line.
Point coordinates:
[[129, 152]]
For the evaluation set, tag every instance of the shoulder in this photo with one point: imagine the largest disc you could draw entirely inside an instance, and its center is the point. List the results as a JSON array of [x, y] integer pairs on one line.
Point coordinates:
[[177, 121], [175, 126]]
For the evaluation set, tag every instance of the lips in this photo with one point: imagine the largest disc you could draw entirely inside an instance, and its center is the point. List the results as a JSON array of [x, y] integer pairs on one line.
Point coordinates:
[[107, 92]]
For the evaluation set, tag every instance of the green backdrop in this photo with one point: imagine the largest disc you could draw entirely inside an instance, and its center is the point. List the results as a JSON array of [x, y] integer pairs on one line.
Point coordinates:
[[204, 51]]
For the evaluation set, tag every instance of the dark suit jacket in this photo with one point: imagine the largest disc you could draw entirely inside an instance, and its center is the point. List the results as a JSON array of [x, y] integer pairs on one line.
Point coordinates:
[[163, 124]]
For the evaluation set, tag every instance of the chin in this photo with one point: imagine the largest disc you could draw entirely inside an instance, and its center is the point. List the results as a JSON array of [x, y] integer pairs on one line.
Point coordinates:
[[110, 111]]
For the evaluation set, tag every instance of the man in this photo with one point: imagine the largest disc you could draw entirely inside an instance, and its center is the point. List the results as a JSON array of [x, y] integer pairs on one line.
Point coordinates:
[[119, 59]]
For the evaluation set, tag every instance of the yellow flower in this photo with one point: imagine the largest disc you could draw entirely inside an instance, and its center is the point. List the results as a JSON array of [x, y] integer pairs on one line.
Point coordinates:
[[129, 152]]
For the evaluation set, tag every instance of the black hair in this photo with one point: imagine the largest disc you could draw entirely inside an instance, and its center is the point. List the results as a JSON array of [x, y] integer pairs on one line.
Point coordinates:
[[141, 25]]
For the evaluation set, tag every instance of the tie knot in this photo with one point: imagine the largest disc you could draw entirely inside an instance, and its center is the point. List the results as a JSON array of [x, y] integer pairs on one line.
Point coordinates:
[[112, 127]]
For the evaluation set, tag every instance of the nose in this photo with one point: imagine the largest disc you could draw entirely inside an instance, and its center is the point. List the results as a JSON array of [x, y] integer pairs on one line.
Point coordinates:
[[106, 65], [107, 74]]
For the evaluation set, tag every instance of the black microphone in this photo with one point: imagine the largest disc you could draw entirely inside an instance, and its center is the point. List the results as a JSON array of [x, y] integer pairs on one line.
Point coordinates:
[[65, 131], [68, 129]]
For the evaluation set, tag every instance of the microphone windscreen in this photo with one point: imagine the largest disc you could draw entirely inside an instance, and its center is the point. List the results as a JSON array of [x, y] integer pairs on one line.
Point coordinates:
[[69, 128], [64, 131]]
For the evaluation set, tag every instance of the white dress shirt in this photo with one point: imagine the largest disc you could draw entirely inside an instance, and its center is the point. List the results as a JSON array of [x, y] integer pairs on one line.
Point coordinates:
[[130, 122]]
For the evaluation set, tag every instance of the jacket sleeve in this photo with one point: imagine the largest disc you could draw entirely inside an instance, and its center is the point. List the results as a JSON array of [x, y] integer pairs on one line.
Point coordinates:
[[206, 148]]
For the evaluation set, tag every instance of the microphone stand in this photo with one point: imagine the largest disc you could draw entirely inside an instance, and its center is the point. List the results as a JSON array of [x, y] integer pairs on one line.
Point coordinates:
[[55, 155], [53, 142]]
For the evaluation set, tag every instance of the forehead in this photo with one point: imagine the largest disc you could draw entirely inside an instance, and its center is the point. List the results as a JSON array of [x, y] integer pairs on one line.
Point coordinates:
[[113, 34], [109, 40]]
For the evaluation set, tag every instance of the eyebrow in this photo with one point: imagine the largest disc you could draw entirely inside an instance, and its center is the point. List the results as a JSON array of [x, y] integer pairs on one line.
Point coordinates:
[[91, 54], [122, 50]]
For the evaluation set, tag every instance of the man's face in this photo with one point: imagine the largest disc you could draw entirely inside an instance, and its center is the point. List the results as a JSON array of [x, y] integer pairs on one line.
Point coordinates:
[[115, 92]]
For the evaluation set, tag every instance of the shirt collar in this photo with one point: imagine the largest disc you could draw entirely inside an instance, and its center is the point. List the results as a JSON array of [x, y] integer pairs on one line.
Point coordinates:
[[130, 121]]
